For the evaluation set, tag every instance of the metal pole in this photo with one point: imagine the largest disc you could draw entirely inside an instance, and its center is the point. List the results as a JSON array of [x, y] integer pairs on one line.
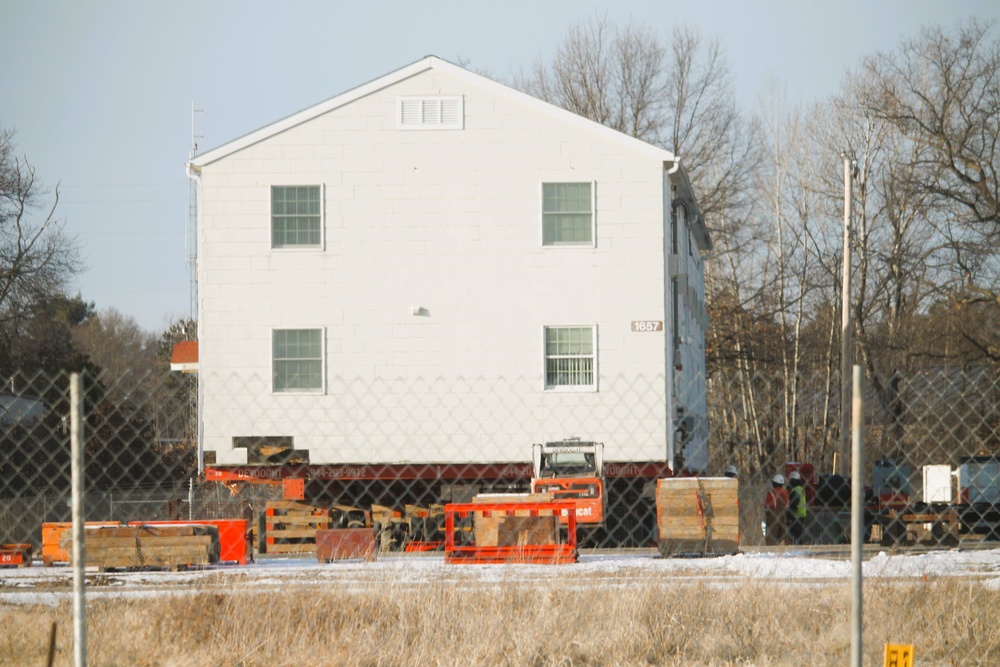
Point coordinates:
[[845, 327], [76, 455], [857, 515]]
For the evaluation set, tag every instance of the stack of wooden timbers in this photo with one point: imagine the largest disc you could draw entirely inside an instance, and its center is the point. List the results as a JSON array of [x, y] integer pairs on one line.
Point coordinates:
[[157, 544], [139, 547], [698, 516]]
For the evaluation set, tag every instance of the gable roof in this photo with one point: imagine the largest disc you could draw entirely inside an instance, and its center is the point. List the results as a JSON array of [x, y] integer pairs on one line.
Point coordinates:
[[428, 63]]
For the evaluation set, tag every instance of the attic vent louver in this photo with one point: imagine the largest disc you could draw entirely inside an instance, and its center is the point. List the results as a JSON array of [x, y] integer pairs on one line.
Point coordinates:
[[430, 113]]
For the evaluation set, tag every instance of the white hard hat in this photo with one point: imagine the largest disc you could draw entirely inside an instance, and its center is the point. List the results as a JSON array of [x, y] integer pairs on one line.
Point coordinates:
[[795, 475], [731, 471], [778, 479]]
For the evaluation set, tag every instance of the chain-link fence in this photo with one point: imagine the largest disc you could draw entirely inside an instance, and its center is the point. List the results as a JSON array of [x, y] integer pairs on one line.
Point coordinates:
[[389, 455]]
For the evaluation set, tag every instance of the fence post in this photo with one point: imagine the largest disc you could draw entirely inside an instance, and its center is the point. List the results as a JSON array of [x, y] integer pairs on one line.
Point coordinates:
[[76, 454], [857, 515]]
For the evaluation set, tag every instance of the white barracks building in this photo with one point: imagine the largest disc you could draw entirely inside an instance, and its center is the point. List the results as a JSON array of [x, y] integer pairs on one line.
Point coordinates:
[[436, 268]]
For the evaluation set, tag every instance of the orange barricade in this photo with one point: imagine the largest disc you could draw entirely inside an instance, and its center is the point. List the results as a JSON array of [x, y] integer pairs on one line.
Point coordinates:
[[52, 537]]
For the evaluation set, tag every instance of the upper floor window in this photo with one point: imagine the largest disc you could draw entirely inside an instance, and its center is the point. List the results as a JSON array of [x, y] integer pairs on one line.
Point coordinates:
[[570, 359], [567, 214], [297, 360], [296, 216], [430, 113]]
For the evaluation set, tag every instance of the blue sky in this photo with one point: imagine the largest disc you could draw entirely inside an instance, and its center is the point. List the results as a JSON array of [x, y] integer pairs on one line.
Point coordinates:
[[100, 93]]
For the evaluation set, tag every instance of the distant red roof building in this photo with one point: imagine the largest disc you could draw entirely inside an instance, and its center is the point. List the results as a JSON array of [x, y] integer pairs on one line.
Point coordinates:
[[185, 357]]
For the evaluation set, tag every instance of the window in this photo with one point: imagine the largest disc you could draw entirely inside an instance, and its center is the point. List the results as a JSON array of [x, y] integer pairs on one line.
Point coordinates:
[[430, 113], [296, 218], [567, 214], [569, 357], [297, 360]]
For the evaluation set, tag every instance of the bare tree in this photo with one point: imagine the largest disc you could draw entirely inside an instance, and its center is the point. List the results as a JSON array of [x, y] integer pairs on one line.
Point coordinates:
[[707, 129], [117, 345], [614, 76], [677, 94], [37, 259], [942, 90]]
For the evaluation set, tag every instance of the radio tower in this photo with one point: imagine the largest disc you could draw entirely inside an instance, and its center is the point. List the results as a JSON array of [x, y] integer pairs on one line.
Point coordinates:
[[192, 434], [191, 238]]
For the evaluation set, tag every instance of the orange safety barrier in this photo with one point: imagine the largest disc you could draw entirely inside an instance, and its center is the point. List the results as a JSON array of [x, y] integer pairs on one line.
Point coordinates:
[[520, 553], [52, 535]]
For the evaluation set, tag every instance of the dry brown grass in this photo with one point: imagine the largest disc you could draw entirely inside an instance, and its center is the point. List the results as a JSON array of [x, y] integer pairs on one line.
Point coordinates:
[[951, 622]]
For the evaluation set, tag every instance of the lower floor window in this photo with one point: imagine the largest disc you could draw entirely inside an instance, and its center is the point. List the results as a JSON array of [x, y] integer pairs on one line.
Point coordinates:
[[569, 357], [297, 360]]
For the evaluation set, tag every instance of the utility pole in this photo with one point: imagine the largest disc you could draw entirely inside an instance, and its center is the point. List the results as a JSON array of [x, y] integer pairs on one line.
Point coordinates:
[[846, 348]]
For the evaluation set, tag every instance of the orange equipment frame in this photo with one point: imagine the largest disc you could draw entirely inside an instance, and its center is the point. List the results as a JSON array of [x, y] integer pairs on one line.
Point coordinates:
[[523, 553], [15, 554]]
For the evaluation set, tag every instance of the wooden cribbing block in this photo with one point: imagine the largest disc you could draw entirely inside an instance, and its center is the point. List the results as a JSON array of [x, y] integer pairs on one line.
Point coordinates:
[[698, 515], [487, 527]]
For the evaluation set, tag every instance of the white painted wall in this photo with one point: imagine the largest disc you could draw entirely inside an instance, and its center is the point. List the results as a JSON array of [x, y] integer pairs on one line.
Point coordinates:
[[449, 221]]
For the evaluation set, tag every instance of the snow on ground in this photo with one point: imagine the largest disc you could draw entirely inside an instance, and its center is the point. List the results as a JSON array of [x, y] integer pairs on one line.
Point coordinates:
[[49, 585]]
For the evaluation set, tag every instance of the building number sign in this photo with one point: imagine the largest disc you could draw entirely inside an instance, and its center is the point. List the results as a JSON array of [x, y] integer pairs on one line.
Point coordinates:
[[646, 326]]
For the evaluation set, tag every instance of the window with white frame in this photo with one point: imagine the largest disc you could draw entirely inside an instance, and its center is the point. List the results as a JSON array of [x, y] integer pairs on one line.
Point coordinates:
[[570, 359], [296, 216], [297, 360], [567, 214], [430, 113]]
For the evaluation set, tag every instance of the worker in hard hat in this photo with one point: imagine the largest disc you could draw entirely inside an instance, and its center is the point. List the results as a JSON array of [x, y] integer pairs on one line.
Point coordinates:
[[732, 472], [775, 504], [797, 510]]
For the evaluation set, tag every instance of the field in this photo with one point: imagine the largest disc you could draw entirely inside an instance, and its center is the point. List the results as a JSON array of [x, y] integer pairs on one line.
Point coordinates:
[[751, 609]]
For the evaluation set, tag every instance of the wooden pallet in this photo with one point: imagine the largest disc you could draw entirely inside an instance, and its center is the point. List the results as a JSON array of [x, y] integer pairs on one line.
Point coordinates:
[[135, 547], [290, 527]]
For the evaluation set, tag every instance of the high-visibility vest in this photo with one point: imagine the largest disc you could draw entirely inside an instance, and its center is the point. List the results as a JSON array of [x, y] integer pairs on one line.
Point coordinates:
[[799, 504]]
